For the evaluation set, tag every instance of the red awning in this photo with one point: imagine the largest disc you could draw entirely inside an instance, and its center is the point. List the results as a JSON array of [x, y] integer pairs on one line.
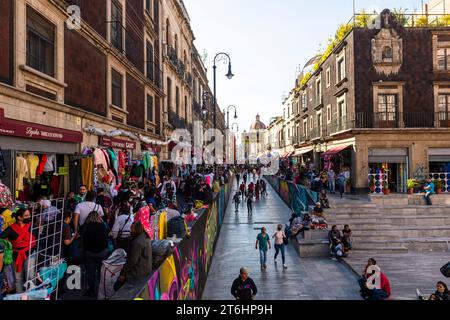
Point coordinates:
[[287, 155], [336, 150]]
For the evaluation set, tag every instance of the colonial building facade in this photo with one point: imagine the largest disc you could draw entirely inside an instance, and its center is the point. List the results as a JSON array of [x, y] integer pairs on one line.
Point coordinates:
[[122, 75], [379, 104]]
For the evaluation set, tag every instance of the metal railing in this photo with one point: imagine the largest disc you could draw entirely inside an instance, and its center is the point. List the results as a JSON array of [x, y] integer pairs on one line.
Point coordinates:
[[176, 121], [402, 120]]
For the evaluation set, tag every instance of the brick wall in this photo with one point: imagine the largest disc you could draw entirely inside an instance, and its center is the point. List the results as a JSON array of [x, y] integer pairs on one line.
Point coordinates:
[[135, 102], [6, 41], [85, 74]]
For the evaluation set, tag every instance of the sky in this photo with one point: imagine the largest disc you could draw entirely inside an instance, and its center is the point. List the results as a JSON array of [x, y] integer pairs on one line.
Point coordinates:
[[268, 40]]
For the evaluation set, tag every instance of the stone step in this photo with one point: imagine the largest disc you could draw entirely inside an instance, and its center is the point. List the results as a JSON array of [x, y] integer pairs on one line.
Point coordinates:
[[396, 234], [378, 250], [391, 210], [364, 223], [413, 244]]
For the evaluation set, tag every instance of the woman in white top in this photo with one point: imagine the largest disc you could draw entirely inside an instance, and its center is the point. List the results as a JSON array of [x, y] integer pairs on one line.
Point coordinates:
[[279, 237]]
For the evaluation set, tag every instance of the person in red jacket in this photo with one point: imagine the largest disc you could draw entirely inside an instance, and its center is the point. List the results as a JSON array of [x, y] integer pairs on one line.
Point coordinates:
[[385, 289]]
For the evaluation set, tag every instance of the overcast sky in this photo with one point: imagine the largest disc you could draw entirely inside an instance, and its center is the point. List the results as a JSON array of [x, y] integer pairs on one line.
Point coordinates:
[[267, 41]]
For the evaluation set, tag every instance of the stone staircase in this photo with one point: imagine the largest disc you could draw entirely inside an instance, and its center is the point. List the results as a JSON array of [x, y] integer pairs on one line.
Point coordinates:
[[393, 224]]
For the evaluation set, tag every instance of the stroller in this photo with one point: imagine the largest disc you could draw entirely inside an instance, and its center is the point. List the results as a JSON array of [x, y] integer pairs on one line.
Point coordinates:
[[111, 269]]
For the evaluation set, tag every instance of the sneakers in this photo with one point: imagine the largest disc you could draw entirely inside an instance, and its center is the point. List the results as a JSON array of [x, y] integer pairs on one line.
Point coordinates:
[[285, 266]]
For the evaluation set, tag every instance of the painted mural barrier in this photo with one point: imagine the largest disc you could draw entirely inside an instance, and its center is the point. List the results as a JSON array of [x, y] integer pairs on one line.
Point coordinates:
[[295, 196], [183, 275]]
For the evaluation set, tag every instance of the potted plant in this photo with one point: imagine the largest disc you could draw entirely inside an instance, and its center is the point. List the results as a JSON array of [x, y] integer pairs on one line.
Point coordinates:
[[386, 189], [372, 184], [438, 186], [411, 184]]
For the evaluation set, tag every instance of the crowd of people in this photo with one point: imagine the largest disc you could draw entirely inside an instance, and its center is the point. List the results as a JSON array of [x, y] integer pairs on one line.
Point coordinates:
[[95, 224]]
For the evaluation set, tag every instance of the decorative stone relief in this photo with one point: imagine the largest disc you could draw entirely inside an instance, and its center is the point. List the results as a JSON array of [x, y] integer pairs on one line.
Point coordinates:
[[387, 51]]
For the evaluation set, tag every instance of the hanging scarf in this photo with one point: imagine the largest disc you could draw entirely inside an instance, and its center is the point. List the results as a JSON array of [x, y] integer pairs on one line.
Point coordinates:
[[22, 244]]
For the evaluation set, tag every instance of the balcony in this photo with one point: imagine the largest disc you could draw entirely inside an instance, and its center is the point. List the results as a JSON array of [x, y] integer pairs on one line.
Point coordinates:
[[387, 120], [197, 108], [188, 79], [176, 121], [317, 133], [172, 55]]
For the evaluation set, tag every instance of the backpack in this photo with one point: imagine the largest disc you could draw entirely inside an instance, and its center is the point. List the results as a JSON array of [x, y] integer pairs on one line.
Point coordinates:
[[8, 254], [445, 270]]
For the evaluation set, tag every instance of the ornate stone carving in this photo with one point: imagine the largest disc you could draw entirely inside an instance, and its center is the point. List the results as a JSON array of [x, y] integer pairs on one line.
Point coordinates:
[[387, 50]]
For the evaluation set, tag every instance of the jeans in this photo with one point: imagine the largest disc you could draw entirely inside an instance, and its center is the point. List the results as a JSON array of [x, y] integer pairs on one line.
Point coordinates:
[[1, 285], [278, 248], [250, 207], [377, 294], [263, 257], [332, 186], [236, 206], [94, 266], [28, 273], [428, 199], [341, 189]]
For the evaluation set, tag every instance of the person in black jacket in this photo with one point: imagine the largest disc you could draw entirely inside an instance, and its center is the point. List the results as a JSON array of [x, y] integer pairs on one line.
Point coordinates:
[[442, 292], [244, 288], [95, 241]]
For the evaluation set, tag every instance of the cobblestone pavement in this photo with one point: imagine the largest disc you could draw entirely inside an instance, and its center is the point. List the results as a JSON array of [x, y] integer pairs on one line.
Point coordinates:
[[305, 279]]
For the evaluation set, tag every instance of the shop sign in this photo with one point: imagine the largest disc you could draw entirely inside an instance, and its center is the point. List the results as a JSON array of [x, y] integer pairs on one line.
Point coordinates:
[[154, 148], [117, 143], [63, 171], [10, 127]]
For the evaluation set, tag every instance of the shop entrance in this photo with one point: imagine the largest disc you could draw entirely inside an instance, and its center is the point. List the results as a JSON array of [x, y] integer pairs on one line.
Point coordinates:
[[388, 168]]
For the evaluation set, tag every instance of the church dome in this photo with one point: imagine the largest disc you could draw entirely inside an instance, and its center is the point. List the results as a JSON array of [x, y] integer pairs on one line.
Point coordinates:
[[258, 125]]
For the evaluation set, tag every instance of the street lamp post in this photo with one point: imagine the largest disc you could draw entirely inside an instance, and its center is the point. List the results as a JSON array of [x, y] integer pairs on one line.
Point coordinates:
[[229, 75], [228, 115]]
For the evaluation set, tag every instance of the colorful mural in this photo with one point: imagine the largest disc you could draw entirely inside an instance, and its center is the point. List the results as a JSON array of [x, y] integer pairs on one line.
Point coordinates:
[[183, 275]]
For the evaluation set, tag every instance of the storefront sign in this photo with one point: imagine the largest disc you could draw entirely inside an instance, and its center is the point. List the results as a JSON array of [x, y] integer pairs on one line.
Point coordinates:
[[2, 116], [154, 148], [117, 143], [10, 127]]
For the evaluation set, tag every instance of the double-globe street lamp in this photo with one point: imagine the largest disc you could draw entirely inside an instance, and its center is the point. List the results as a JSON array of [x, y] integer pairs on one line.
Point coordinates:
[[229, 75]]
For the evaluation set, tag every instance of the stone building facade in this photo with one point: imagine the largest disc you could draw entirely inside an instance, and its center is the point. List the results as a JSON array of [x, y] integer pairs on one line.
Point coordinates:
[[378, 104]]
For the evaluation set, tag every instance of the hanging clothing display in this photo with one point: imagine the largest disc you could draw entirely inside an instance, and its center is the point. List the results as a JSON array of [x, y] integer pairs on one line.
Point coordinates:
[[2, 165], [42, 163], [50, 164], [87, 165], [33, 164], [100, 159], [6, 199], [113, 158], [21, 172]]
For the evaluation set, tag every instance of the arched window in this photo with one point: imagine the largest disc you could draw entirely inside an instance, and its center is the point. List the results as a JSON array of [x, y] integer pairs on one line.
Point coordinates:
[[176, 44], [387, 54]]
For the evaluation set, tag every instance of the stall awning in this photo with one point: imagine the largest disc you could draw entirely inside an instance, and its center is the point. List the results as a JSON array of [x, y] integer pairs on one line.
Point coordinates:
[[302, 151], [287, 155], [336, 150]]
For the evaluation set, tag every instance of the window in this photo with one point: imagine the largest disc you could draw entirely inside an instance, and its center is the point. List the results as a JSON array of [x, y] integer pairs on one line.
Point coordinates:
[[169, 94], [311, 93], [150, 62], [168, 32], [328, 77], [177, 100], [387, 55], [444, 107], [311, 123], [341, 69], [40, 43], [116, 25], [304, 101], [150, 109], [319, 122], [148, 6], [186, 108], [305, 128], [387, 107], [117, 84], [341, 113], [318, 89], [443, 59], [329, 114]]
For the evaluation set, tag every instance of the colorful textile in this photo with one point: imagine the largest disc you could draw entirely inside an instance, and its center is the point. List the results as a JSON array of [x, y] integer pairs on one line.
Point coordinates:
[[99, 159], [40, 169], [21, 172], [33, 164], [87, 165], [162, 222], [143, 216], [6, 200], [50, 164]]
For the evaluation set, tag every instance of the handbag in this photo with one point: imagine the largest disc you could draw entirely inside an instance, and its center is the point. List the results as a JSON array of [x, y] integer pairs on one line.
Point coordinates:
[[445, 270]]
